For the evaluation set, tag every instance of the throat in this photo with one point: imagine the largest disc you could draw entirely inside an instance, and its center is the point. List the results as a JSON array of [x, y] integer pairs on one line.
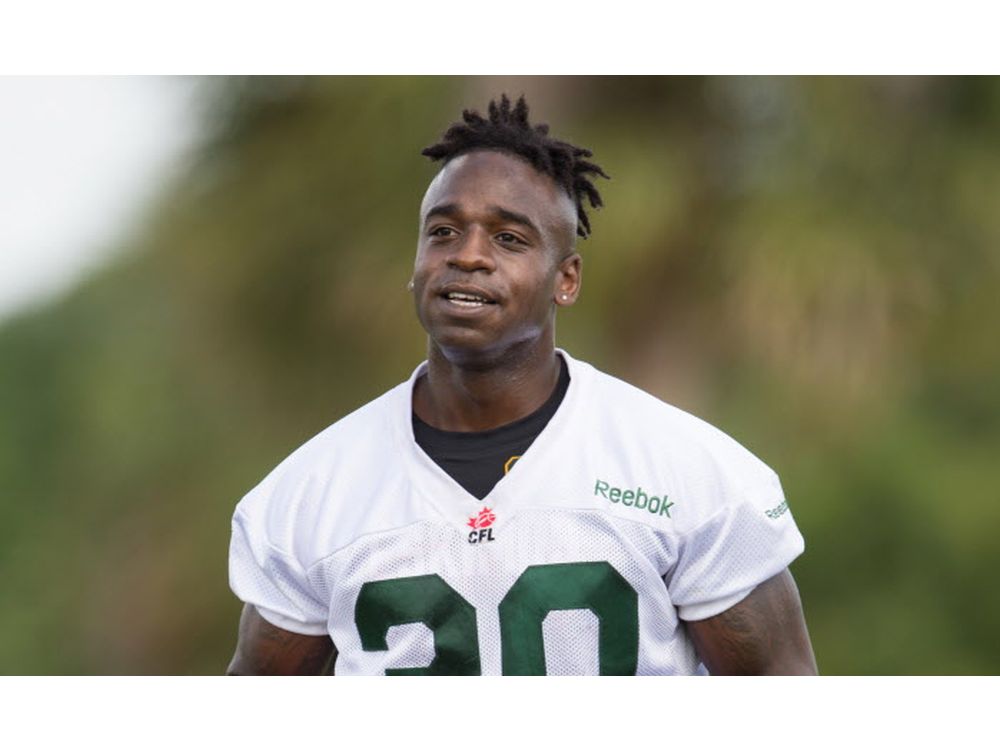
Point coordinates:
[[458, 399], [477, 460]]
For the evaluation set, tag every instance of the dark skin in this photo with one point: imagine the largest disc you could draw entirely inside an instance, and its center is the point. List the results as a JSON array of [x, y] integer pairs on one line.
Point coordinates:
[[495, 260], [763, 634], [264, 648], [491, 226]]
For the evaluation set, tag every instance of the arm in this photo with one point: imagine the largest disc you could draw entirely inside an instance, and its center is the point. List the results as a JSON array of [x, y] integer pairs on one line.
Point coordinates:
[[763, 634], [263, 648]]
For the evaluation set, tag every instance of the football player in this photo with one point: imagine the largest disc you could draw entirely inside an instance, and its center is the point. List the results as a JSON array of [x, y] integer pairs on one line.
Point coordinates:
[[510, 509]]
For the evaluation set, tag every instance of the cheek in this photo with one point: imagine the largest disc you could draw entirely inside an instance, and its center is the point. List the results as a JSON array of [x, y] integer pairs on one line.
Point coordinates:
[[421, 267], [543, 290]]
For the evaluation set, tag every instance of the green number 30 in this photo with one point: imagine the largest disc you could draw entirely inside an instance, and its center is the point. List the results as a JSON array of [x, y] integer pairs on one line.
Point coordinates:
[[539, 590]]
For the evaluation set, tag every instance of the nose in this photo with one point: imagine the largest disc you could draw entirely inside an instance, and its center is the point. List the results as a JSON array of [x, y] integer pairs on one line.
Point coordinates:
[[473, 252]]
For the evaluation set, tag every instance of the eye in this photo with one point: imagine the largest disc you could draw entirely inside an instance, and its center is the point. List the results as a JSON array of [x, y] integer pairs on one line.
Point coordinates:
[[509, 238], [442, 232]]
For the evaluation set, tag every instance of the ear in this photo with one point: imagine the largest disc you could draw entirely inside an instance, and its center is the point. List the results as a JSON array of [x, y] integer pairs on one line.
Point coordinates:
[[568, 280]]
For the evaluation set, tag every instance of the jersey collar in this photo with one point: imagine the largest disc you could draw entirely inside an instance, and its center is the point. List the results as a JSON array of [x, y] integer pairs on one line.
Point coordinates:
[[519, 487]]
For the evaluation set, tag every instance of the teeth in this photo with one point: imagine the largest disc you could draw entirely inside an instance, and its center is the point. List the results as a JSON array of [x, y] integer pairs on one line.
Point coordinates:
[[462, 297]]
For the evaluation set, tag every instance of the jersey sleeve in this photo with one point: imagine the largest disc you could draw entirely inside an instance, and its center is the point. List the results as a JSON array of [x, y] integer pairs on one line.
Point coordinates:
[[741, 545], [271, 580]]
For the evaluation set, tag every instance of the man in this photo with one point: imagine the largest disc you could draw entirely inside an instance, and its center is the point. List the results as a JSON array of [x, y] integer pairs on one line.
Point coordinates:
[[510, 510]]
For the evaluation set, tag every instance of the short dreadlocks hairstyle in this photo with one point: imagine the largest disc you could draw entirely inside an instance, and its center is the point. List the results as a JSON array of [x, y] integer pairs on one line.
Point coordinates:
[[508, 129]]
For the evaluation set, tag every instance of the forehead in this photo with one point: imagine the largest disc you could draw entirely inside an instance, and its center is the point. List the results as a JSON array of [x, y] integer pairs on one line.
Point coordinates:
[[491, 178]]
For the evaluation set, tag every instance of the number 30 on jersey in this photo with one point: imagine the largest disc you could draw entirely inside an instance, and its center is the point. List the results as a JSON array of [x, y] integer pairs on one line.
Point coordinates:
[[541, 589]]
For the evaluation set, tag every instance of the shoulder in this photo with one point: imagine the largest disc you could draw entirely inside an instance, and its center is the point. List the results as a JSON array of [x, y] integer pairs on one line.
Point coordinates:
[[291, 499], [664, 428], [641, 439], [365, 429]]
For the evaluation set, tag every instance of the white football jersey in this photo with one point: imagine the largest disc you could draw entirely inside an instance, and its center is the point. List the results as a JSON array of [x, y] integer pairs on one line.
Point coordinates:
[[624, 517]]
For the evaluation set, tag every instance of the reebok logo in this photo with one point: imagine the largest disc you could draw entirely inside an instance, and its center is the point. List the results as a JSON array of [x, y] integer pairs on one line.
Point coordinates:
[[777, 510], [658, 506]]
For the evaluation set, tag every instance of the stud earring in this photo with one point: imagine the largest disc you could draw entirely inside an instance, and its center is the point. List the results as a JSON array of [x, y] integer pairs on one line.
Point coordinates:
[[565, 297], [409, 286]]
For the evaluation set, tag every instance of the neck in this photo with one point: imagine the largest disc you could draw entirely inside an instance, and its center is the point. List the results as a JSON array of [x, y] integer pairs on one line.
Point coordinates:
[[460, 395]]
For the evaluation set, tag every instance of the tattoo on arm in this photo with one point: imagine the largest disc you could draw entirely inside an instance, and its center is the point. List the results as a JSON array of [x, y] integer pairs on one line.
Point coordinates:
[[763, 634]]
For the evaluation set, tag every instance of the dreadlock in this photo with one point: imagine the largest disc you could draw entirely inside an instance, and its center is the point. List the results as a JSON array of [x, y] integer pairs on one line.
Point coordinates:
[[509, 130]]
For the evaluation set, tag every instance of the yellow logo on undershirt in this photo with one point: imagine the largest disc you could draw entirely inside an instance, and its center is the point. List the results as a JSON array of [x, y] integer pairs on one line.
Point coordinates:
[[510, 464]]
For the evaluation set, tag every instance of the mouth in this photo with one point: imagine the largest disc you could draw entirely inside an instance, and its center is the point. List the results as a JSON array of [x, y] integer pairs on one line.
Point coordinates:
[[467, 298]]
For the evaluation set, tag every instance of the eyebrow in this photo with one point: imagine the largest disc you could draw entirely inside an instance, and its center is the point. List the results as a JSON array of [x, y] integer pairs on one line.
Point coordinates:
[[452, 209], [442, 209], [513, 216]]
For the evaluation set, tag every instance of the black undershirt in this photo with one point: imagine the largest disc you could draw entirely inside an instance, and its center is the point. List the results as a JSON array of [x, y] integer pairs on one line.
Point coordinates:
[[478, 460]]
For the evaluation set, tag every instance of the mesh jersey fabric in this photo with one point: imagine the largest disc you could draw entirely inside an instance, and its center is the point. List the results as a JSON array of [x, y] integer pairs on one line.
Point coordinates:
[[625, 516]]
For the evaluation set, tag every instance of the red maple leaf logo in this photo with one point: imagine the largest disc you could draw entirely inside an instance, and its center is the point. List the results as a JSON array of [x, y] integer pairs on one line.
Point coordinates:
[[485, 519]]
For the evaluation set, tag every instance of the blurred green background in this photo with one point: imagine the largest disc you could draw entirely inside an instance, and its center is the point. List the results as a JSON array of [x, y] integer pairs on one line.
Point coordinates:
[[812, 265]]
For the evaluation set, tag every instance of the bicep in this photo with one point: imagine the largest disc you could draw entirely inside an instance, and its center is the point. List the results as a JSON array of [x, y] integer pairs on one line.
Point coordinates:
[[763, 634], [264, 648]]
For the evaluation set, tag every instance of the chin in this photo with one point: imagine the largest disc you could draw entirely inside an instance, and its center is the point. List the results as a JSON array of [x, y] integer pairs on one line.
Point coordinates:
[[468, 351], [471, 350]]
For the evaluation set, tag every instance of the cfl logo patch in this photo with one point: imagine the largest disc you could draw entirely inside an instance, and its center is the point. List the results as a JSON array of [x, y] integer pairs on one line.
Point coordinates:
[[481, 525]]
